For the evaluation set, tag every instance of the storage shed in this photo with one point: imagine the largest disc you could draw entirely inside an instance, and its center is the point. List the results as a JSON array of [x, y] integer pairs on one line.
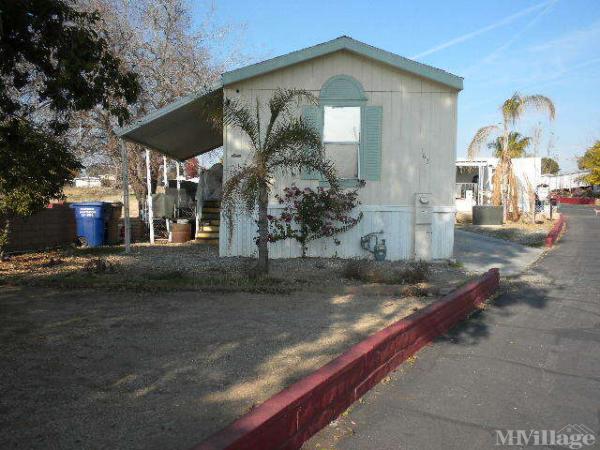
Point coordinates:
[[384, 119]]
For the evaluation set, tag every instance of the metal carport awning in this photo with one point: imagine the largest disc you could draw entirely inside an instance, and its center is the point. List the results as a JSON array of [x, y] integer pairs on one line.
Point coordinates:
[[188, 127]]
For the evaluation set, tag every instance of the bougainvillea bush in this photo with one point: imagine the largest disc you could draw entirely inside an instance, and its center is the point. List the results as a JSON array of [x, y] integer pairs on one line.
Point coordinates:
[[310, 214]]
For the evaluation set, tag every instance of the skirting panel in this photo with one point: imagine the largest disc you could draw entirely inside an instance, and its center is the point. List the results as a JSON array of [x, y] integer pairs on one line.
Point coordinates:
[[396, 222]]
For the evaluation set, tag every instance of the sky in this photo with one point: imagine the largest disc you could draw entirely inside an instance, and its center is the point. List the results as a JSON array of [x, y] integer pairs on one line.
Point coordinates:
[[549, 47]]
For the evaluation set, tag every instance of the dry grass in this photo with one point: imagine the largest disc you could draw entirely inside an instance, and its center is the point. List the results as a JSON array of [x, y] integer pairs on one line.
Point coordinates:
[[194, 266], [369, 271], [178, 332], [521, 232]]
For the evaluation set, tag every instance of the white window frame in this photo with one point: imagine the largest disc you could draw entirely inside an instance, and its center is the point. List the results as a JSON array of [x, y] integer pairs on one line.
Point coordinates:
[[357, 142], [332, 107]]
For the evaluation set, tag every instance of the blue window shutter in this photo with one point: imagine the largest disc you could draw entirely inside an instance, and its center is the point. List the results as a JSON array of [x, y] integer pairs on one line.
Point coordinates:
[[370, 145], [314, 116]]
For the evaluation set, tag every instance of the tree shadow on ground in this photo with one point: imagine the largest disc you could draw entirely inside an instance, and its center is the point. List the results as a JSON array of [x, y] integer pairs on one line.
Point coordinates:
[[551, 278], [479, 253], [163, 370], [508, 301]]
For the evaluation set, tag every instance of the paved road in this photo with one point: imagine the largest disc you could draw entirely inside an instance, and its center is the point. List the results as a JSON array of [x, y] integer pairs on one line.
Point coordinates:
[[479, 253], [531, 360]]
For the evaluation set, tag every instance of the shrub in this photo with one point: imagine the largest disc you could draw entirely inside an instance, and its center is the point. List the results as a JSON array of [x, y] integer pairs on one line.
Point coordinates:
[[416, 272], [308, 215], [372, 272], [356, 269]]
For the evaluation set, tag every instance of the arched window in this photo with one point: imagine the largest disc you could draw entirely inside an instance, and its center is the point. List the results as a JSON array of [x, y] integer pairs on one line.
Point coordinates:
[[342, 90], [350, 129]]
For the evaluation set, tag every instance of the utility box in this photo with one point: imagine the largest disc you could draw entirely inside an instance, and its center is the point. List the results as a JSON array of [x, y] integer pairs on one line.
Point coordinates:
[[423, 212], [423, 223]]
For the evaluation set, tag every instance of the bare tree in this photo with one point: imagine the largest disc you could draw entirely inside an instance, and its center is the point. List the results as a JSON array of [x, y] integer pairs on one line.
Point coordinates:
[[156, 39]]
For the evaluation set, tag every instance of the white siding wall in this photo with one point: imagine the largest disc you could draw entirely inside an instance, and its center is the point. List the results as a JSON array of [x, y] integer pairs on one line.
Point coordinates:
[[397, 224], [418, 154]]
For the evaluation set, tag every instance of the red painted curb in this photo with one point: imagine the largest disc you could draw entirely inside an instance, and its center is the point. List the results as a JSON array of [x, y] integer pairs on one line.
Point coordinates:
[[555, 231], [577, 200], [293, 415]]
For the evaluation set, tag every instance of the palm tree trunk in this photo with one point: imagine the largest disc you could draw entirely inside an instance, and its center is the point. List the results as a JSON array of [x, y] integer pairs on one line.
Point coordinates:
[[263, 230], [505, 164]]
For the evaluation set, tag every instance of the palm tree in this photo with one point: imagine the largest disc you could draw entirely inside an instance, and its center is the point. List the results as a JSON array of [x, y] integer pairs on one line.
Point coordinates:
[[286, 144], [512, 110], [517, 144]]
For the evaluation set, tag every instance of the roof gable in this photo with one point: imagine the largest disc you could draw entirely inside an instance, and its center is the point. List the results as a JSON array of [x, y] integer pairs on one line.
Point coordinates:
[[351, 45]]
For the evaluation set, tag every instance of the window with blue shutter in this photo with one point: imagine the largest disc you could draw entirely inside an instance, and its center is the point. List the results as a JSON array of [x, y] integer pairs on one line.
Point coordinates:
[[313, 115], [352, 141], [370, 146]]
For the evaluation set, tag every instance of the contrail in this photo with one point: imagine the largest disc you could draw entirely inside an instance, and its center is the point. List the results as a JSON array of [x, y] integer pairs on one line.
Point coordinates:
[[471, 35], [514, 38]]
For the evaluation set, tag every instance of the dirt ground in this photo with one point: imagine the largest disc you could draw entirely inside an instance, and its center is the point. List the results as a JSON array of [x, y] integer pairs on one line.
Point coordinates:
[[524, 233], [164, 368]]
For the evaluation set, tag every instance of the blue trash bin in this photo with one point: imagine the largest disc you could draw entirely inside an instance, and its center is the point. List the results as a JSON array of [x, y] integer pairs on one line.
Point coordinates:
[[89, 219]]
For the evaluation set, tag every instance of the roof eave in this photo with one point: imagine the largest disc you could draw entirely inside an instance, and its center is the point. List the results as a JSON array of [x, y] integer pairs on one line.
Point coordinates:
[[349, 44], [124, 131]]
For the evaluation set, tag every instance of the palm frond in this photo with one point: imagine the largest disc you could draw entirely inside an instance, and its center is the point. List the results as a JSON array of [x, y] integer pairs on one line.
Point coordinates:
[[295, 146], [517, 145], [294, 135], [281, 101], [296, 162], [258, 145], [540, 103], [238, 190], [482, 135], [237, 114], [514, 107], [511, 109]]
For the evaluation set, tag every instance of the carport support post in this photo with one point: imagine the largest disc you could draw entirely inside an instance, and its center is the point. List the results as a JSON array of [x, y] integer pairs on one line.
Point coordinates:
[[199, 199], [178, 187], [149, 185], [166, 184], [125, 183], [479, 184], [165, 179]]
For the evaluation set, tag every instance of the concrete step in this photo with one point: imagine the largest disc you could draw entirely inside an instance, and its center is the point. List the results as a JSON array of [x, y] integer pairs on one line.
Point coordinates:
[[208, 241], [212, 204], [209, 228], [212, 223], [207, 235], [208, 209], [210, 216]]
